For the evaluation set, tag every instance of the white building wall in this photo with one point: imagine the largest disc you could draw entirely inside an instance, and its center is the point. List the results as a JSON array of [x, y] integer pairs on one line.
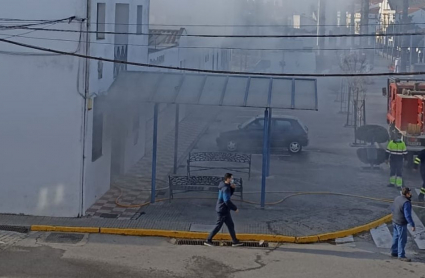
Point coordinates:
[[98, 173], [167, 57], [42, 110], [41, 115]]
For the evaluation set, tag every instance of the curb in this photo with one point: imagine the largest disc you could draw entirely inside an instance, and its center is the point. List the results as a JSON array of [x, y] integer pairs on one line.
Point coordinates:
[[195, 235]]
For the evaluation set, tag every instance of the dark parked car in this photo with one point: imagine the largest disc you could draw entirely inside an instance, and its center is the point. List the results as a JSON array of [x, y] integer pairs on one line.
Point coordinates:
[[287, 133]]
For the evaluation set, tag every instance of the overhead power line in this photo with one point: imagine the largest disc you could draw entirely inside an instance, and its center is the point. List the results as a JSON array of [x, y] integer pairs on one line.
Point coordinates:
[[232, 36], [214, 25], [24, 26], [215, 47], [207, 71]]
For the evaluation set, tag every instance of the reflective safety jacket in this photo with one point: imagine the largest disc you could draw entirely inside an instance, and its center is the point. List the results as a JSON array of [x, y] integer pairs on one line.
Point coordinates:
[[396, 150], [420, 160]]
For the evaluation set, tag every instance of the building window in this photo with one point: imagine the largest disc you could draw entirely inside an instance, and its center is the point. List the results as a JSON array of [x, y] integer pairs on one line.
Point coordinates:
[[97, 137], [99, 70], [101, 21], [139, 19]]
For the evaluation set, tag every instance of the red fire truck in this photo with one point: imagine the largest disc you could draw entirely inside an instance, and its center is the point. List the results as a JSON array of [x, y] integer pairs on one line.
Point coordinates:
[[406, 112]]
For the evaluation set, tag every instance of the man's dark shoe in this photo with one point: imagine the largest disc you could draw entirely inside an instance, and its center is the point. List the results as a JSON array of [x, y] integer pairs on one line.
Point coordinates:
[[237, 244], [405, 260], [421, 197], [394, 255], [209, 243]]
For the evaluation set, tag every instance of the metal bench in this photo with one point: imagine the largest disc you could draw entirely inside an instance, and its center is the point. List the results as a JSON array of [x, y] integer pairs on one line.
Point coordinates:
[[200, 183], [219, 157]]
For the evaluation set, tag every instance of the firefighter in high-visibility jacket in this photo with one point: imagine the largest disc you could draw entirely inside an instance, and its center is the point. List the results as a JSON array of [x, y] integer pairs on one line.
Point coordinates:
[[396, 150], [420, 162]]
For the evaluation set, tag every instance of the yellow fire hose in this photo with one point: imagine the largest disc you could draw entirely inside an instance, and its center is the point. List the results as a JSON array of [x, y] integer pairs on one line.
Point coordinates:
[[293, 194]]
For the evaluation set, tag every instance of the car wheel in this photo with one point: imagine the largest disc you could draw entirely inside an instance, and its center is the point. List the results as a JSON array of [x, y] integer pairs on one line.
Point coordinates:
[[295, 147], [232, 146]]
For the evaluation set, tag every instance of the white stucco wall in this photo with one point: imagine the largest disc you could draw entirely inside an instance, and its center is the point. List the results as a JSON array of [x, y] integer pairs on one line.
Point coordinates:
[[42, 111], [97, 173], [41, 115]]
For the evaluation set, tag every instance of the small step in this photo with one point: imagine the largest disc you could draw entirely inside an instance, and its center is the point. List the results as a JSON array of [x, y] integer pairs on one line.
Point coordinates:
[[419, 234], [382, 236], [345, 241]]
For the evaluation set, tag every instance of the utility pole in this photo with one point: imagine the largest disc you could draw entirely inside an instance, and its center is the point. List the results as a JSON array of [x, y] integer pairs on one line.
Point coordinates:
[[405, 42], [364, 23], [321, 22], [352, 23]]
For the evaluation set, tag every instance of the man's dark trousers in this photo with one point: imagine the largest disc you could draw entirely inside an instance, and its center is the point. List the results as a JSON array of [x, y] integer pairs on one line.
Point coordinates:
[[224, 219]]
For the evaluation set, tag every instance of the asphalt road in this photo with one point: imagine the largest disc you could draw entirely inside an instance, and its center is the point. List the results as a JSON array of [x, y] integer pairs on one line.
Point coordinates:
[[117, 256]]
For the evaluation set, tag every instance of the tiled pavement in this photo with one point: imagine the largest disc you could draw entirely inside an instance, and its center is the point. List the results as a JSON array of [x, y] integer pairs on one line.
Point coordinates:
[[134, 186], [8, 238], [180, 216]]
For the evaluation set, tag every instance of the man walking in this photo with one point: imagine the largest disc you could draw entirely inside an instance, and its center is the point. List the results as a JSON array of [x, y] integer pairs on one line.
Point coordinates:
[[223, 208], [402, 215], [396, 150], [420, 161]]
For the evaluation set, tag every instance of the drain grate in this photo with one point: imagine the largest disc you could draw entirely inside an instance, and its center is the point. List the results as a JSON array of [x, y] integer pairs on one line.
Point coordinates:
[[220, 243], [64, 238], [18, 229]]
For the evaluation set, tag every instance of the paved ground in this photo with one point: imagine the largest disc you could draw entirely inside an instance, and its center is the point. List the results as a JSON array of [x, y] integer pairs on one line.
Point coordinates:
[[134, 186], [329, 164], [40, 255], [8, 238]]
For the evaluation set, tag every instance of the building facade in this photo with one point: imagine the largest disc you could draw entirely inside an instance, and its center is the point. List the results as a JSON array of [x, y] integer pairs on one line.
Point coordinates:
[[61, 140]]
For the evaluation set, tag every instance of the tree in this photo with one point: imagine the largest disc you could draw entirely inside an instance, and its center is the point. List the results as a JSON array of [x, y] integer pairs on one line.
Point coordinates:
[[353, 63]]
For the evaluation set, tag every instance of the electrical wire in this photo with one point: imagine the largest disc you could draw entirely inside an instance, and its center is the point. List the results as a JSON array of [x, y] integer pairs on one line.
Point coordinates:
[[235, 36], [211, 71], [2, 27], [221, 48], [80, 41], [216, 25]]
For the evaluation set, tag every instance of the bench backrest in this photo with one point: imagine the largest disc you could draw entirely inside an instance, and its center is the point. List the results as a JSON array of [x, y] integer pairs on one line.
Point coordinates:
[[219, 156], [181, 182]]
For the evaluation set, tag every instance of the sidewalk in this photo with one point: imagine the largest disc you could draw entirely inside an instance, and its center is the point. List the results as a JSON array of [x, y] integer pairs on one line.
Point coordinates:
[[134, 187], [178, 219]]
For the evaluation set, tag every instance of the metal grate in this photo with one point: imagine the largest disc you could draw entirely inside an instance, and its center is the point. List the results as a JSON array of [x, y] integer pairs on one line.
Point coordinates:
[[18, 229], [220, 243]]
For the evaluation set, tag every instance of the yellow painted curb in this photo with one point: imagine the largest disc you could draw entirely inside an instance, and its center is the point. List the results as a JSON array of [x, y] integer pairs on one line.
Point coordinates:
[[155, 233], [355, 230], [195, 235], [307, 239], [43, 228]]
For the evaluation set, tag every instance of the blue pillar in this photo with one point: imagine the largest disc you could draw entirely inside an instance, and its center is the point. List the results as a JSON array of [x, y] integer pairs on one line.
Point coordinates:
[[265, 150], [176, 138], [269, 142], [154, 151]]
